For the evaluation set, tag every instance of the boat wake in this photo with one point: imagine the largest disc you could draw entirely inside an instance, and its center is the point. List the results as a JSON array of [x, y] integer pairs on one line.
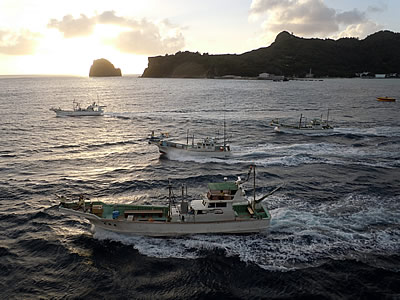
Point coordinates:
[[301, 154], [299, 237], [380, 131]]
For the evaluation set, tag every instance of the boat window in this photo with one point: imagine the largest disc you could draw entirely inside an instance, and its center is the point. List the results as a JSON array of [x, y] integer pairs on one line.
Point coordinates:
[[211, 205], [200, 212], [221, 204]]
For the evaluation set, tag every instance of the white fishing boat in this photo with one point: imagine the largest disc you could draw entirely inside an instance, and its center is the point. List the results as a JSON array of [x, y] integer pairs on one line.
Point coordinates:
[[77, 111], [316, 125], [209, 147], [225, 209]]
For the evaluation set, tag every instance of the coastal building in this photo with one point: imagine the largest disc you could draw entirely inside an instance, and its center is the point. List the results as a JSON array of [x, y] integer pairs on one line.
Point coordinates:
[[310, 74], [268, 76]]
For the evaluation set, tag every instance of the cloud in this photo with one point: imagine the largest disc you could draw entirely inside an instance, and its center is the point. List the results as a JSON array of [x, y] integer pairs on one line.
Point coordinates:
[[70, 27], [143, 43], [361, 30], [308, 18], [261, 6], [18, 43], [378, 8], [138, 37], [147, 38], [350, 17]]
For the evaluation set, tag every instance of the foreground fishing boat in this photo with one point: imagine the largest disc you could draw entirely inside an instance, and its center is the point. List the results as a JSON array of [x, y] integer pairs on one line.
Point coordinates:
[[316, 125], [206, 147], [386, 99], [224, 210], [92, 110]]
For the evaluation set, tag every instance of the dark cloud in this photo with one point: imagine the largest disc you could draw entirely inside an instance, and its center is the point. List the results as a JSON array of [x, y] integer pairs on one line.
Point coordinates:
[[22, 43], [142, 36], [378, 8], [351, 17]]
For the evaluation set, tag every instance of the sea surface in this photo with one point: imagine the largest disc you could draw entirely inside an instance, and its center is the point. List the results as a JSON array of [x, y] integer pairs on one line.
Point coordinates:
[[335, 229]]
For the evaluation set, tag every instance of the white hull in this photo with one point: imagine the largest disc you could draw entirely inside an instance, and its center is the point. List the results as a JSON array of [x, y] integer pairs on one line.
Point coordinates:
[[160, 229], [71, 113], [192, 152], [301, 130]]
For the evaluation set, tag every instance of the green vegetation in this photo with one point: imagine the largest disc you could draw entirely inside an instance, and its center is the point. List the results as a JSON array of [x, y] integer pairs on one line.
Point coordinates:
[[290, 56]]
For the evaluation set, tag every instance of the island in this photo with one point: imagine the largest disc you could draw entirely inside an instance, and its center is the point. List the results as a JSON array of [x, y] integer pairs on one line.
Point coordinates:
[[103, 68], [289, 56]]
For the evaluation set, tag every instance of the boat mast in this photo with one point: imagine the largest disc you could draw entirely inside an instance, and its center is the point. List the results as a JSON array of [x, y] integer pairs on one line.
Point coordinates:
[[254, 188], [301, 116], [169, 199], [327, 117], [224, 131]]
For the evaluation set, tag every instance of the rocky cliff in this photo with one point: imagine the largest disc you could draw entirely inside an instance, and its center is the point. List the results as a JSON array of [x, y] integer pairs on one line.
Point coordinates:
[[289, 55], [103, 68]]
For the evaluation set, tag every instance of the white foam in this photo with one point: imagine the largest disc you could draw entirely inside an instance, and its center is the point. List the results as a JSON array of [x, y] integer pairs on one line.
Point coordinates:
[[301, 153], [384, 131], [299, 236]]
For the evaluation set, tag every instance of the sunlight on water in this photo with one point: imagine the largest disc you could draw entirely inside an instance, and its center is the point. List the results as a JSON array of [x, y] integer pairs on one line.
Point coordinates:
[[338, 209]]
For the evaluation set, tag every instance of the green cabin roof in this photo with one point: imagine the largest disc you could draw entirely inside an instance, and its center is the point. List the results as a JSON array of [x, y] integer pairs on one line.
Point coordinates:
[[222, 186]]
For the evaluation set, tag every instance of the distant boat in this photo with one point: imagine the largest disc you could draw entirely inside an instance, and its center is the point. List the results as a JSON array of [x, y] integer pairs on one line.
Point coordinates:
[[224, 210], [92, 110], [316, 125], [386, 99]]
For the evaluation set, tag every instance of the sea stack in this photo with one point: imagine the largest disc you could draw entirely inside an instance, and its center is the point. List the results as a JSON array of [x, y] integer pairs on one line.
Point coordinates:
[[103, 68]]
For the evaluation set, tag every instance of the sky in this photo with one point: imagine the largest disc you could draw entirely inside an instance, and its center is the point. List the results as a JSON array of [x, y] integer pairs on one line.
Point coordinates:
[[64, 37]]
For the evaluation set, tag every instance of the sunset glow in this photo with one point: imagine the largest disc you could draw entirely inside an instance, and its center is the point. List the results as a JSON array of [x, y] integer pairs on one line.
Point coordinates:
[[46, 37]]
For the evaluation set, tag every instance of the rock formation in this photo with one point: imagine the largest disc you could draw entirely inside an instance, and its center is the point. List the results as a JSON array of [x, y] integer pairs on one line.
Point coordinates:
[[103, 68], [290, 56]]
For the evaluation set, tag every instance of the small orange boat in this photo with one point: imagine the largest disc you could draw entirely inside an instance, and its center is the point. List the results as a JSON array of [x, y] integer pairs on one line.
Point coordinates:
[[386, 99]]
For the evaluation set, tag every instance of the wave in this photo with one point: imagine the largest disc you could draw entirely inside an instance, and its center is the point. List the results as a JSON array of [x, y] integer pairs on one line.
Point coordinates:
[[379, 131], [298, 237], [301, 154]]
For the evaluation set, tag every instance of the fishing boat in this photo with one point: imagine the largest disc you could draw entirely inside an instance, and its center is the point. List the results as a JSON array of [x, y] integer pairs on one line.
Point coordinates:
[[225, 209], [77, 111], [386, 99], [209, 147], [316, 125]]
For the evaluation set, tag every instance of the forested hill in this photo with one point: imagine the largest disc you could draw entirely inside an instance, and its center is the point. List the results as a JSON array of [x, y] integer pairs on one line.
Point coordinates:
[[289, 55]]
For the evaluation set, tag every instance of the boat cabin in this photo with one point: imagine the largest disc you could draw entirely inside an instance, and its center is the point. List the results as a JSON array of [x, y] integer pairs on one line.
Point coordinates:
[[222, 190], [207, 143]]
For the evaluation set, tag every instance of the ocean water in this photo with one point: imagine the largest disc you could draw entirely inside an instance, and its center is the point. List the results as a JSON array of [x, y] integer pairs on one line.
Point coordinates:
[[335, 229]]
